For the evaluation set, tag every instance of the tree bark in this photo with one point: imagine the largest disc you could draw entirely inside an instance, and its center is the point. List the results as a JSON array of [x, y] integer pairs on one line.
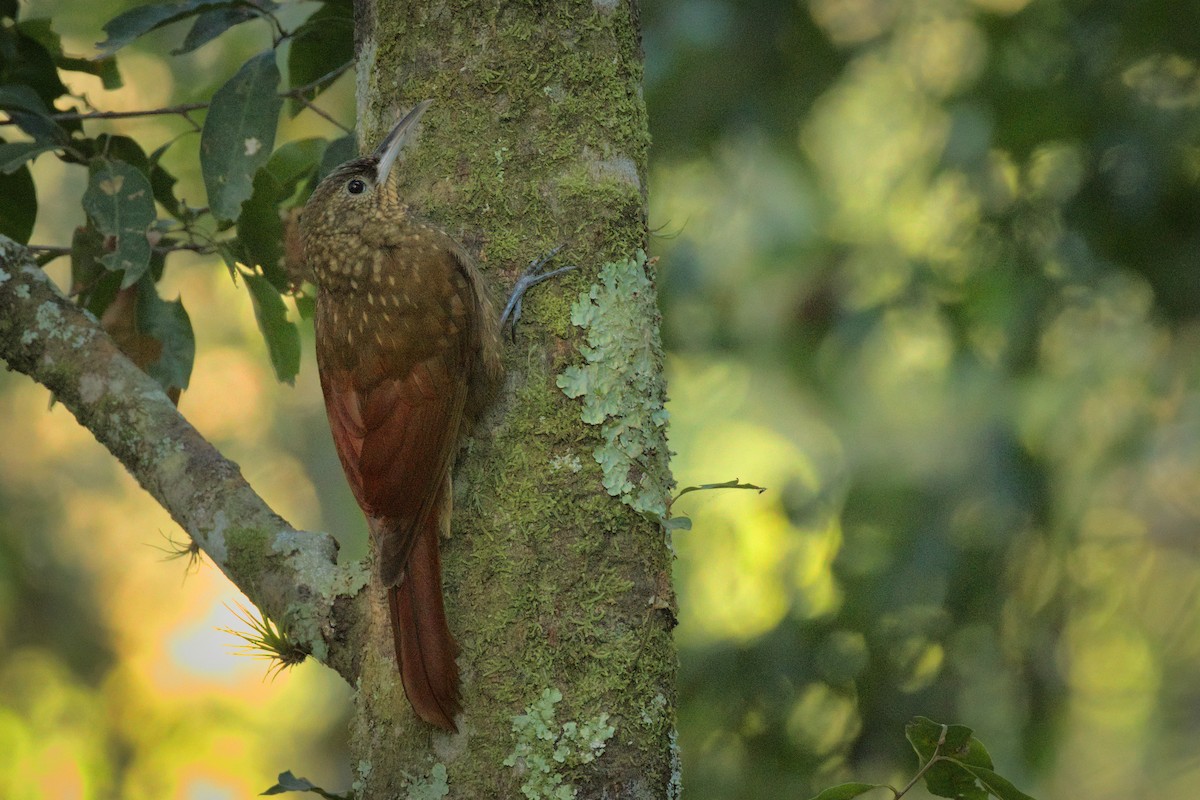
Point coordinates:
[[558, 571], [557, 583]]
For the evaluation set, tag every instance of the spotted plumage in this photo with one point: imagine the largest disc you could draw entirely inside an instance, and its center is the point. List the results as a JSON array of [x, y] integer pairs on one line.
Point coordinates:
[[408, 351]]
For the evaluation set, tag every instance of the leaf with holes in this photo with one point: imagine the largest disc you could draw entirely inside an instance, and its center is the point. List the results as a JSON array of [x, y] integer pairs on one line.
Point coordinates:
[[121, 204], [239, 133]]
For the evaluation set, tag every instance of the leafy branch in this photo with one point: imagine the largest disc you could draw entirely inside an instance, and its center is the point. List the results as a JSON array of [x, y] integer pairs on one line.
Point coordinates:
[[681, 523], [953, 763], [298, 94], [135, 220]]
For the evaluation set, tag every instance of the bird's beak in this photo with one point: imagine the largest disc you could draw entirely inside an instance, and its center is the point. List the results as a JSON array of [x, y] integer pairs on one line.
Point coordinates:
[[389, 149]]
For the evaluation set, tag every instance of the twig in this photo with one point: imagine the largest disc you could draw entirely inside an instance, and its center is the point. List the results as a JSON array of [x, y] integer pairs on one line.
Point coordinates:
[[71, 116], [184, 109]]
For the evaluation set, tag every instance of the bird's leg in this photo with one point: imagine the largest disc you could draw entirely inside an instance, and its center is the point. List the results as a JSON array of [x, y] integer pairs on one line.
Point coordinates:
[[531, 277]]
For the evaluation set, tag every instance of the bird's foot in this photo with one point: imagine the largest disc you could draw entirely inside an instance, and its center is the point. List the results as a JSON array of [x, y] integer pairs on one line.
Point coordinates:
[[532, 276]]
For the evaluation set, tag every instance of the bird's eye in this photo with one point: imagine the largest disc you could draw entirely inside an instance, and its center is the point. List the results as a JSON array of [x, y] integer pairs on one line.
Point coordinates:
[[356, 186]]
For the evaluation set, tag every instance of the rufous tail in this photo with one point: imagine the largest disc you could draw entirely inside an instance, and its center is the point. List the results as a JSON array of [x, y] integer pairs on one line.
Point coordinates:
[[425, 648]]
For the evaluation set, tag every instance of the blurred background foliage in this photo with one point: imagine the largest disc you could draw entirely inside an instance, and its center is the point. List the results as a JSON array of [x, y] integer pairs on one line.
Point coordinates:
[[929, 272]]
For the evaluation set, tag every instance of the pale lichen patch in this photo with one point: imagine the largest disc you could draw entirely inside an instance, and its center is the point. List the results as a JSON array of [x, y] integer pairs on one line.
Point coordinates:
[[621, 384], [432, 786], [545, 752], [91, 388]]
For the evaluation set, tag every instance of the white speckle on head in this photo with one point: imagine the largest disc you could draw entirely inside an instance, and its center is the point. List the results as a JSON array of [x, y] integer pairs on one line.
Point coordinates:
[[4, 276], [253, 145], [22, 292]]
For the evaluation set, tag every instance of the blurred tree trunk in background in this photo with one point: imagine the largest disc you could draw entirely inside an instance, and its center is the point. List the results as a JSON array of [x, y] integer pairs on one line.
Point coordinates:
[[558, 592]]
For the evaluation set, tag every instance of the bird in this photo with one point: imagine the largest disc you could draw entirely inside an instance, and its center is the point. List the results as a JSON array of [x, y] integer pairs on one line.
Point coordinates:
[[408, 349]]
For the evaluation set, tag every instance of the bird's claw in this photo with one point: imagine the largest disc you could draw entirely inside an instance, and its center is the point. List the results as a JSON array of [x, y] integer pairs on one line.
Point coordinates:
[[531, 277]]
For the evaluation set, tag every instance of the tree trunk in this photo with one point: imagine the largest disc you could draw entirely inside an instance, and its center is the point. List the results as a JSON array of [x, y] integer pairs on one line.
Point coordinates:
[[557, 574]]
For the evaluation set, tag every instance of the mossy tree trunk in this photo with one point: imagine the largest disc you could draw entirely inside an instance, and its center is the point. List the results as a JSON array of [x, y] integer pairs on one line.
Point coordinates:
[[557, 576]]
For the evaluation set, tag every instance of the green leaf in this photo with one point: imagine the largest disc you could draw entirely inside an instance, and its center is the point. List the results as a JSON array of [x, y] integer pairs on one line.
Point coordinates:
[[260, 230], [26, 61], [338, 152], [163, 183], [136, 22], [13, 155], [305, 306], [239, 133], [93, 286], [119, 200], [320, 46], [168, 322], [290, 783], [973, 754], [104, 68], [16, 97], [282, 336], [120, 148], [296, 161], [733, 484], [677, 523], [18, 204], [31, 115], [947, 778], [211, 24], [995, 784], [847, 791], [925, 736]]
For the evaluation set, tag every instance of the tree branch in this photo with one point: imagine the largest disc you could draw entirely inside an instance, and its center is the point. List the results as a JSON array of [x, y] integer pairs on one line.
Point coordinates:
[[291, 575]]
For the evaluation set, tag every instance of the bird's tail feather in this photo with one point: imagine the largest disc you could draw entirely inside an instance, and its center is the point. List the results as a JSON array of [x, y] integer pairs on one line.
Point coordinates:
[[425, 648]]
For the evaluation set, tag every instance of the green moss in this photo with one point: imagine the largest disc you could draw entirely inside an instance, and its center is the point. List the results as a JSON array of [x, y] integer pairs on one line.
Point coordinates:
[[621, 384], [245, 548], [537, 137]]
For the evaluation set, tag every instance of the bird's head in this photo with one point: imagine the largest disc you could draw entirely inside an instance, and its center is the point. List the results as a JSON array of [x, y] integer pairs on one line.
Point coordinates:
[[363, 187]]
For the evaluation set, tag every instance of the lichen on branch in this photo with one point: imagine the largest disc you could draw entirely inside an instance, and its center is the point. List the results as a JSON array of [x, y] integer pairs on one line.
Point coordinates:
[[291, 575]]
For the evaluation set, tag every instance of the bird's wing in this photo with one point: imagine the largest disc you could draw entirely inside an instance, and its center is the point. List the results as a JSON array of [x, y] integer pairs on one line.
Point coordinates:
[[395, 398], [396, 439]]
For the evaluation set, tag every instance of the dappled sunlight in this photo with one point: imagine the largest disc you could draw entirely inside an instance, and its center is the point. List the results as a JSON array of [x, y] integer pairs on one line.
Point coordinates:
[[937, 293], [748, 565], [897, 137], [983, 399]]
